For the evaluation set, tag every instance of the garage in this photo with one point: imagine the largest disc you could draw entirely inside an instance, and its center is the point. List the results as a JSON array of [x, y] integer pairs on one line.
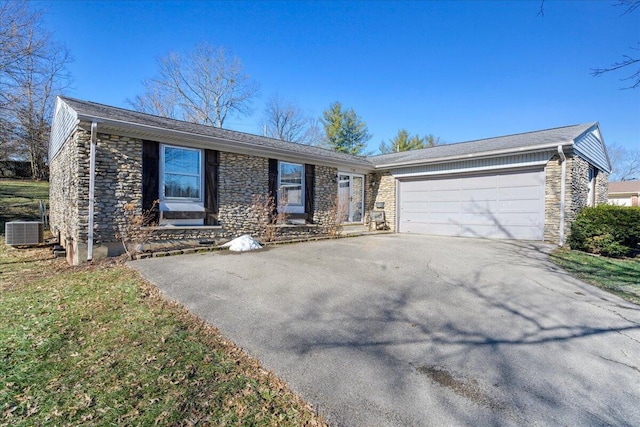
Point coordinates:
[[501, 205]]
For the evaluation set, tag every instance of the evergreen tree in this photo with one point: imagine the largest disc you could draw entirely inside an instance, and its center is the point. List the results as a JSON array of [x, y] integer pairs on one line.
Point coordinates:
[[345, 131], [404, 142]]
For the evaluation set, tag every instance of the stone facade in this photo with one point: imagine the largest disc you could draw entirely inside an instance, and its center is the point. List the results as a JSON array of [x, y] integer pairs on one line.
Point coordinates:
[[64, 193], [553, 177], [240, 179], [602, 188], [118, 182], [576, 193], [326, 195], [381, 187]]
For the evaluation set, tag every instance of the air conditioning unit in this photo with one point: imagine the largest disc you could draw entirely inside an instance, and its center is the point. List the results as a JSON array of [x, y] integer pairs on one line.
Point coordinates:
[[20, 233]]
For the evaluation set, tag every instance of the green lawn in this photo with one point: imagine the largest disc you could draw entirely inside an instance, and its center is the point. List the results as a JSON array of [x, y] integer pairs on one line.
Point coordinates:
[[618, 276], [19, 200], [97, 345]]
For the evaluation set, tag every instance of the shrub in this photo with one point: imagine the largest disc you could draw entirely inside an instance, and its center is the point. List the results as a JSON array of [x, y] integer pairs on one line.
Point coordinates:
[[268, 216], [608, 230], [135, 232]]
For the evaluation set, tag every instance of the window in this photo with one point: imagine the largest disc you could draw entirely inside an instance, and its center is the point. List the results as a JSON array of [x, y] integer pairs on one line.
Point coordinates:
[[291, 187], [181, 173]]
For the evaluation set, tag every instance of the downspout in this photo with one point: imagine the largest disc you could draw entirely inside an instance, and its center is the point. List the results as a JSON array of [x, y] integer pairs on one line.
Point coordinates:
[[563, 185], [92, 184]]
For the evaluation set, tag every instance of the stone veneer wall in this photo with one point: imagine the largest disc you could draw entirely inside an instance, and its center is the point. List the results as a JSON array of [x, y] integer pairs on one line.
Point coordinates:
[[240, 178], [325, 195], [64, 196], [580, 185], [576, 193], [381, 187], [602, 187], [119, 182], [553, 176]]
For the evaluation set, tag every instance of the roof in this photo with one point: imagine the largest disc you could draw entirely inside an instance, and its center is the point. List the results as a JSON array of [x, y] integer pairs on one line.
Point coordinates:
[[150, 125], [147, 126], [624, 187], [508, 143]]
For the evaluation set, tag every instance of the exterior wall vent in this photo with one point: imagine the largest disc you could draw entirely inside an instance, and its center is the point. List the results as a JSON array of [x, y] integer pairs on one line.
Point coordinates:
[[19, 233]]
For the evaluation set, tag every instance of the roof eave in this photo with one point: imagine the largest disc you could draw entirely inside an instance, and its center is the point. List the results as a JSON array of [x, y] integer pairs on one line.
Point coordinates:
[[479, 155], [234, 146]]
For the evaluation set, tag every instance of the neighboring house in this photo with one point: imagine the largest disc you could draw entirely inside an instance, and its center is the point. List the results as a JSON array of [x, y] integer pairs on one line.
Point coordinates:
[[624, 193], [103, 158]]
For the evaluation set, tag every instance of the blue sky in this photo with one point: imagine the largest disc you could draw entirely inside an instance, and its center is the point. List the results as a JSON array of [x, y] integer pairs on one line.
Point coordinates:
[[460, 70]]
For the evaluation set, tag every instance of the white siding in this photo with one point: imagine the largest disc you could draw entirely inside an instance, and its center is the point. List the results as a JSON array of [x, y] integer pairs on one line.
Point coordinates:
[[476, 165], [64, 120]]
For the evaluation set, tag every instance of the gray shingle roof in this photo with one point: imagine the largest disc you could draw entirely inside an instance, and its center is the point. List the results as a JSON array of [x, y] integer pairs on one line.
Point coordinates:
[[514, 142], [97, 111]]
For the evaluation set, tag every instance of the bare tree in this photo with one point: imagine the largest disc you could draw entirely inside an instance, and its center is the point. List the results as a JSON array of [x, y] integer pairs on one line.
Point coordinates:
[[287, 121], [17, 25], [625, 163], [33, 68], [38, 83], [203, 86]]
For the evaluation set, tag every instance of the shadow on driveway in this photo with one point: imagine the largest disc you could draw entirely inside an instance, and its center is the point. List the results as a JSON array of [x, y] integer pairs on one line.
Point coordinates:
[[422, 330]]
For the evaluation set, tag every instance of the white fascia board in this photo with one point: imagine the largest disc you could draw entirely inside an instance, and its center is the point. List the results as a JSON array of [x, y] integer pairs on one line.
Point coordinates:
[[189, 139], [481, 155]]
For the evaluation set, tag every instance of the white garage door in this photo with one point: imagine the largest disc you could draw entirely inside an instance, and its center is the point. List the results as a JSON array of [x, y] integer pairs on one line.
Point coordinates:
[[505, 205]]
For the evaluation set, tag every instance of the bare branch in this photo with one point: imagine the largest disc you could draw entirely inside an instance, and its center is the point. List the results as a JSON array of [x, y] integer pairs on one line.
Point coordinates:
[[627, 61], [286, 121], [541, 11], [629, 5], [202, 86], [625, 163], [33, 69]]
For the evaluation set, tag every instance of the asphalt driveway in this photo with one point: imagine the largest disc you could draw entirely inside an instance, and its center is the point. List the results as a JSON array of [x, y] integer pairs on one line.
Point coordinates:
[[390, 330]]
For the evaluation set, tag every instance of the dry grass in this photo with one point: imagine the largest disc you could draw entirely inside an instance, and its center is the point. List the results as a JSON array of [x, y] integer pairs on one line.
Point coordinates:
[[100, 346]]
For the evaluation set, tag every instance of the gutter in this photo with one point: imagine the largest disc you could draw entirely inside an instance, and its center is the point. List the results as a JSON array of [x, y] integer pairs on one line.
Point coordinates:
[[92, 184], [230, 145], [479, 155], [563, 186]]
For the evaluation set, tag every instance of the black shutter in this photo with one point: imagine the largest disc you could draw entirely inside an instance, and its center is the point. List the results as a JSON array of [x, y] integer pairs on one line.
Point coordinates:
[[211, 162], [309, 191], [150, 176], [273, 180]]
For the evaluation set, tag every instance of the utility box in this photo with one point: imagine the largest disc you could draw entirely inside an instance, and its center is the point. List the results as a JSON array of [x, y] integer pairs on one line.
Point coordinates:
[[24, 233]]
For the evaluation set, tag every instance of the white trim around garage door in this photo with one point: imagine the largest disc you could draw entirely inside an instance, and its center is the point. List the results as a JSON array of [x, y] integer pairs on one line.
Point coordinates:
[[505, 204]]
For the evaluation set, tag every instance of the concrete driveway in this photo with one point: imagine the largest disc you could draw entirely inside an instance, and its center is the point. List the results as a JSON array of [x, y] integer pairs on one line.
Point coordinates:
[[390, 330]]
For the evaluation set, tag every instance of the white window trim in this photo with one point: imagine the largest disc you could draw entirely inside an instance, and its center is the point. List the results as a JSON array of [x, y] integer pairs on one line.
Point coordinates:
[[180, 203], [200, 199], [292, 208]]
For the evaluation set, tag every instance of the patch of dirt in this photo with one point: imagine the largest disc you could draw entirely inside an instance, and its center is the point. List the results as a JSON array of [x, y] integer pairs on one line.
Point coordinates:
[[467, 388]]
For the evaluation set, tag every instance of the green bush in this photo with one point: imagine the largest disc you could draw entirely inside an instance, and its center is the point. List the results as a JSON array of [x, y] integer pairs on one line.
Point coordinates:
[[608, 230]]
